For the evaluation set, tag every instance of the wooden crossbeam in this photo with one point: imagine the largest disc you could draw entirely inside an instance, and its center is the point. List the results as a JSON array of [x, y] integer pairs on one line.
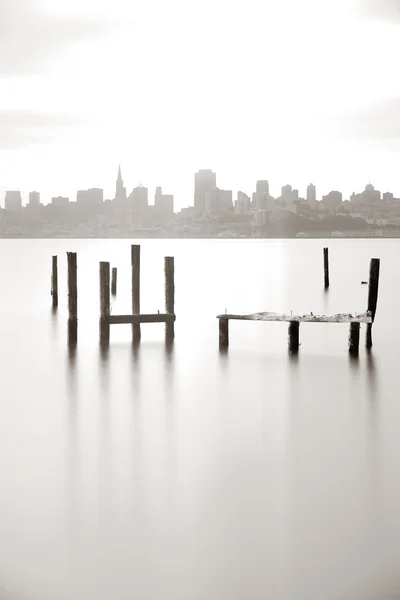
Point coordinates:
[[309, 318], [135, 319]]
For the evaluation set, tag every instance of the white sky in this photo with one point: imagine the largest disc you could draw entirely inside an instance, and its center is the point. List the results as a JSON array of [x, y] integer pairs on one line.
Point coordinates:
[[286, 90]]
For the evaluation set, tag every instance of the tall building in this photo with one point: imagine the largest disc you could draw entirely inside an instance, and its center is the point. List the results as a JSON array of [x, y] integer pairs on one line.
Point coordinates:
[[139, 198], [225, 201], [120, 190], [92, 197], [34, 199], [242, 204], [13, 200], [311, 193], [164, 203], [60, 201], [261, 197], [205, 181]]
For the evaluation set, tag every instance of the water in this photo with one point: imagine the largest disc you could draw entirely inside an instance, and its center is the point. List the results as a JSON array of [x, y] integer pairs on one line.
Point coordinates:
[[186, 474]]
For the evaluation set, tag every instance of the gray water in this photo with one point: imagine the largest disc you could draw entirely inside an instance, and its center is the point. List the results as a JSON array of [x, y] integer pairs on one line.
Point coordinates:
[[181, 473]]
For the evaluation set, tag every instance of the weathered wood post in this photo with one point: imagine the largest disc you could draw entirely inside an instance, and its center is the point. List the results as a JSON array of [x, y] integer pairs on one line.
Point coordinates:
[[54, 281], [223, 333], [72, 298], [326, 268], [293, 340], [104, 301], [114, 281], [135, 263], [169, 272], [373, 287], [354, 338]]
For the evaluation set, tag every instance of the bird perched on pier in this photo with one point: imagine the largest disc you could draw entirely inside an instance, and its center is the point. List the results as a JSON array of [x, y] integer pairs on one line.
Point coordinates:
[[158, 312]]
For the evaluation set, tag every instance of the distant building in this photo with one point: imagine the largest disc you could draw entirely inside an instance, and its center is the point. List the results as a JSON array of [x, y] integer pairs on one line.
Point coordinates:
[[211, 202], [120, 190], [92, 197], [60, 201], [34, 199], [242, 204], [13, 201], [205, 181], [388, 198], [311, 194], [332, 200], [261, 197], [164, 203], [225, 201], [139, 198], [369, 196]]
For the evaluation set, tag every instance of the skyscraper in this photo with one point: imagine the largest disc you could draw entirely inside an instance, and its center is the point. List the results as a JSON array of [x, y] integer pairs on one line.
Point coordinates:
[[120, 190], [205, 181], [262, 194], [13, 200], [34, 199], [164, 203], [311, 193], [139, 198]]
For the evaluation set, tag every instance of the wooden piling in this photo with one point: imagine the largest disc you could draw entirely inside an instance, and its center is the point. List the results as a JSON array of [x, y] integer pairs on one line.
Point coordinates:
[[114, 281], [373, 287], [135, 264], [326, 268], [54, 281], [354, 338], [72, 298], [223, 333], [293, 340], [169, 272], [104, 301]]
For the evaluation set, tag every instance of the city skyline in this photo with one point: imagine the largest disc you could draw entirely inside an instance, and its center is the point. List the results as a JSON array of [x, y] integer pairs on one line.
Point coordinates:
[[304, 91], [121, 191]]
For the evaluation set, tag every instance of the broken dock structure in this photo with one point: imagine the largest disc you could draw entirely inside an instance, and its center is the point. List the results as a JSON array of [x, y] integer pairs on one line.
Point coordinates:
[[137, 318], [354, 320]]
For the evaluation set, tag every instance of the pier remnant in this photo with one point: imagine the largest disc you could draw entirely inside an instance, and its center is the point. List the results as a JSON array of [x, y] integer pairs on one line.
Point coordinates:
[[169, 273], [326, 268], [373, 287], [135, 265], [223, 332], [72, 298], [114, 281], [136, 318], [354, 338], [294, 323], [293, 340], [54, 281], [104, 301]]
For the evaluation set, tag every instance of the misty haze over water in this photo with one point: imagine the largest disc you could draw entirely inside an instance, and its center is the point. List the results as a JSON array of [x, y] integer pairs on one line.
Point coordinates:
[[183, 473]]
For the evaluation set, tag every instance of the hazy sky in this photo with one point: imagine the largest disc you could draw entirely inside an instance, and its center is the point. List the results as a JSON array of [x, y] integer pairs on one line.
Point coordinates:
[[286, 90]]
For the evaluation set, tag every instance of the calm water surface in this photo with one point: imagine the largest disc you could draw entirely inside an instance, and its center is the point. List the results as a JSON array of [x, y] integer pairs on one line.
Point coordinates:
[[171, 474]]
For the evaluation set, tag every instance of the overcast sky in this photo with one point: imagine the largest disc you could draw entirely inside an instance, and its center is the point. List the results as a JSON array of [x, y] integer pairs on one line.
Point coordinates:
[[286, 90]]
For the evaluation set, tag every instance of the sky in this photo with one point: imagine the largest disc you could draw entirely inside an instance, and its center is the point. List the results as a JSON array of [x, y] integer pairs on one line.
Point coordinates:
[[289, 91]]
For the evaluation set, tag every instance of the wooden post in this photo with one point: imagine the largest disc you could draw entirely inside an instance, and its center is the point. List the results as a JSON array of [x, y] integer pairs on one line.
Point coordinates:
[[223, 333], [104, 301], [293, 340], [114, 281], [72, 298], [373, 287], [169, 272], [135, 263], [54, 281], [354, 338], [326, 268]]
